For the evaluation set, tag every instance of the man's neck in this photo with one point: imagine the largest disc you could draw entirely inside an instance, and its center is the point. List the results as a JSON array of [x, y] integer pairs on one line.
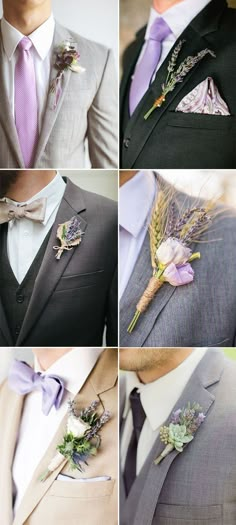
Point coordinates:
[[48, 356], [164, 367], [163, 5], [27, 22], [29, 183], [125, 176]]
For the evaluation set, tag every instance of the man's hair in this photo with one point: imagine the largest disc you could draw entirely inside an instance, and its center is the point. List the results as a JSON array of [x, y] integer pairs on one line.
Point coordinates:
[[7, 178]]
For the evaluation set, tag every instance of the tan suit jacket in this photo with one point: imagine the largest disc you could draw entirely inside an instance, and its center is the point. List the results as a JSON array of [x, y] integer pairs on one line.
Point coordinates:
[[63, 502]]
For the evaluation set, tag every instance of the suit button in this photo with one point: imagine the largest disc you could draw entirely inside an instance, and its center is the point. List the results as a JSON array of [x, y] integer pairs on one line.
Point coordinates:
[[126, 143], [17, 330], [20, 298]]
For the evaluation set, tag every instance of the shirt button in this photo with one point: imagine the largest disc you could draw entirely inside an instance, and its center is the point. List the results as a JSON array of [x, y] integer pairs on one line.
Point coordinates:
[[26, 234], [20, 298], [126, 143]]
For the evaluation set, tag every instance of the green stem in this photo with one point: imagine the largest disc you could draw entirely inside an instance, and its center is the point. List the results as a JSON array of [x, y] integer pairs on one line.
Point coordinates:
[[149, 112], [133, 322]]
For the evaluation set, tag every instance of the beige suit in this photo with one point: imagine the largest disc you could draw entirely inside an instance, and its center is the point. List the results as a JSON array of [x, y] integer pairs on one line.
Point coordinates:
[[63, 502]]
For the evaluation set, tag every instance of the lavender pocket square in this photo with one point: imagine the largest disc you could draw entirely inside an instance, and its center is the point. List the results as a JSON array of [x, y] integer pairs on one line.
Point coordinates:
[[205, 98]]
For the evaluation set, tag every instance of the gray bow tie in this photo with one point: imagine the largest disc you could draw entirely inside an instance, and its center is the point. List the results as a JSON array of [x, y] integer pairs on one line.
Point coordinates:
[[34, 211]]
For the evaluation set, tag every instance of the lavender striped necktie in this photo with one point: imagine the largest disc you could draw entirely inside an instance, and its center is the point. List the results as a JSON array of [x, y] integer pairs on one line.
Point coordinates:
[[146, 67], [26, 105]]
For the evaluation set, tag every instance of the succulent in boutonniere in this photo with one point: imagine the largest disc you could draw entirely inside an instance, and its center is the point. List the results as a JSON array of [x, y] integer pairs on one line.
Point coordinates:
[[171, 234], [69, 234], [183, 425], [67, 57], [81, 440], [175, 76]]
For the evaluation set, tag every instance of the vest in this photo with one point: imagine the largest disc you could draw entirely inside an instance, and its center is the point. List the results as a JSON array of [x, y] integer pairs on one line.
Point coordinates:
[[16, 297]]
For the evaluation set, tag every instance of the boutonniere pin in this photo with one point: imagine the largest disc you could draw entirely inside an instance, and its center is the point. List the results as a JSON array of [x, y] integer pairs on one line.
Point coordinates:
[[183, 425], [67, 57], [175, 76], [69, 234], [170, 237], [81, 440]]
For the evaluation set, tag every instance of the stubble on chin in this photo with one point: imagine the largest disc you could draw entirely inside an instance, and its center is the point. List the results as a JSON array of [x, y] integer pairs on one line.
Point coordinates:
[[6, 181], [141, 359]]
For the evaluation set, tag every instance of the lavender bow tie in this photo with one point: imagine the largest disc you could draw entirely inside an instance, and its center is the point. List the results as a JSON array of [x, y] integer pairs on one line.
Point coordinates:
[[22, 379]]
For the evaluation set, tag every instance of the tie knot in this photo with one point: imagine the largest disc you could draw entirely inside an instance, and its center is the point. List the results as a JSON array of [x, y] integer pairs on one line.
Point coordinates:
[[159, 30], [25, 44]]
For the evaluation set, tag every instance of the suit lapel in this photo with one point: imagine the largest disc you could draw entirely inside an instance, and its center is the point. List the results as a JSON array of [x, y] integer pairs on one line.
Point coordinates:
[[195, 35], [51, 269], [97, 383], [12, 403], [152, 477], [61, 35], [6, 117], [130, 61], [4, 328]]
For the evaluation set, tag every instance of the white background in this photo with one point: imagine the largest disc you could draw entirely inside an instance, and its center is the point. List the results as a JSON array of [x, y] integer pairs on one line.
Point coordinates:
[[96, 20]]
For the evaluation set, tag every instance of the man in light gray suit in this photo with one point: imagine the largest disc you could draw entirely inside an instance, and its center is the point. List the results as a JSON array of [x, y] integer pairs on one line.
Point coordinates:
[[201, 313], [57, 90], [198, 485]]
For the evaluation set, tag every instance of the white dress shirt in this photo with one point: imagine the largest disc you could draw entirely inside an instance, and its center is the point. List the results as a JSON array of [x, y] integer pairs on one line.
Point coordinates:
[[136, 201], [178, 17], [42, 39], [158, 400], [25, 236], [37, 430]]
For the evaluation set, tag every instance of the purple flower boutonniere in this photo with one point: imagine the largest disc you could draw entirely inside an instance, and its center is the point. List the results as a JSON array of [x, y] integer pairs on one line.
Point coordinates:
[[70, 235], [81, 440], [183, 425], [67, 57], [175, 76]]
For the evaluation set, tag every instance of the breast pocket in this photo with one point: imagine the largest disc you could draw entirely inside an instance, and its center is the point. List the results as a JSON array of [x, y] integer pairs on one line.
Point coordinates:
[[85, 280], [77, 503], [188, 515], [201, 121]]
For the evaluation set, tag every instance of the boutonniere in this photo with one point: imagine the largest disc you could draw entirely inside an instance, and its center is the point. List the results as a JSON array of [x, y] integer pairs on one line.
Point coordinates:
[[170, 236], [67, 57], [69, 234], [175, 76], [183, 425], [81, 440]]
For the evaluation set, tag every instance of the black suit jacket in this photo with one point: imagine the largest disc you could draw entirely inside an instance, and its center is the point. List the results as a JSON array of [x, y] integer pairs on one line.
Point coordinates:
[[170, 139], [75, 298]]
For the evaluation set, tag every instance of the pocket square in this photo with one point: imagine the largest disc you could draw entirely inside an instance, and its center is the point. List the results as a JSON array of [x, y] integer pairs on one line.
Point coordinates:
[[64, 477], [204, 98]]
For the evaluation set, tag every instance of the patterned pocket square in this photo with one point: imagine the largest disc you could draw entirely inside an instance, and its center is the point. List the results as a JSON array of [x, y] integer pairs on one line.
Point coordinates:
[[205, 98]]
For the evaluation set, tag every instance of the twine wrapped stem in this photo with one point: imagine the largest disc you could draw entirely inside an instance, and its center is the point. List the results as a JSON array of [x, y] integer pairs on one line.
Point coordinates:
[[153, 286]]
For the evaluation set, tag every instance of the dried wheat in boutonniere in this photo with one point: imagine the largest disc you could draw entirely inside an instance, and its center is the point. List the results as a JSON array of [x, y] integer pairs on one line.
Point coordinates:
[[175, 76], [171, 234]]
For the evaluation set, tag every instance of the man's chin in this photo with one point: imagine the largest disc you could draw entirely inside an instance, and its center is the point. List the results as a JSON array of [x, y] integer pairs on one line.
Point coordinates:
[[7, 178]]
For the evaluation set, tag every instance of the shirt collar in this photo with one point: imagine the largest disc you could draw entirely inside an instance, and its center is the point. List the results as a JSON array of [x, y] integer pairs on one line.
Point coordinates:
[[74, 367], [41, 38], [161, 390], [53, 192], [136, 201], [178, 17]]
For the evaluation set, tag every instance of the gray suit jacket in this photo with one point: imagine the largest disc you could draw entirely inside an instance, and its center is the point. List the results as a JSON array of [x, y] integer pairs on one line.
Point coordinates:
[[87, 108], [202, 313], [197, 486], [74, 298]]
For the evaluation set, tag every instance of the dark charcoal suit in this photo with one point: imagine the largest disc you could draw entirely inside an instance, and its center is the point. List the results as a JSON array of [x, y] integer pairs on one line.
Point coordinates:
[[170, 139], [74, 298]]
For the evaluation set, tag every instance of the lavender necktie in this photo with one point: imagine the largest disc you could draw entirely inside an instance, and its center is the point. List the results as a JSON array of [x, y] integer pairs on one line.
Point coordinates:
[[145, 69], [26, 105], [22, 379]]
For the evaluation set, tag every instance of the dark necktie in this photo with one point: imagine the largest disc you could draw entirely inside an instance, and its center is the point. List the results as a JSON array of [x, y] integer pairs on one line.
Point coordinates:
[[139, 417]]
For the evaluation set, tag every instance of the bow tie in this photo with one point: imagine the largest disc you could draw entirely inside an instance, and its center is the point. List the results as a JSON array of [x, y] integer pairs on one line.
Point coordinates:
[[22, 379], [34, 211]]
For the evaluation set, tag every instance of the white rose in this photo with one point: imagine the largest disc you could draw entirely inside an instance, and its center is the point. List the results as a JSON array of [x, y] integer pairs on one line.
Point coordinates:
[[77, 426], [172, 251]]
